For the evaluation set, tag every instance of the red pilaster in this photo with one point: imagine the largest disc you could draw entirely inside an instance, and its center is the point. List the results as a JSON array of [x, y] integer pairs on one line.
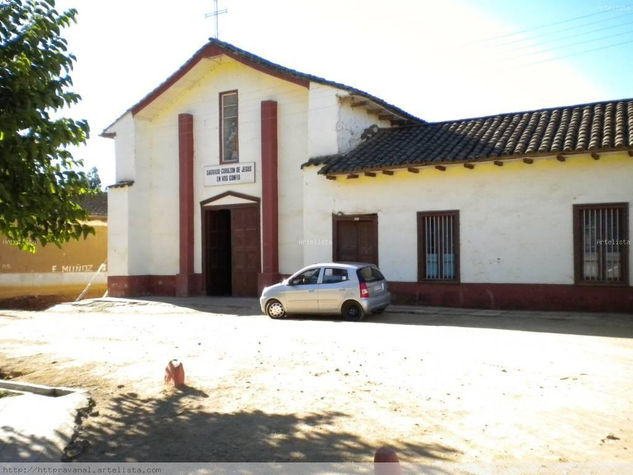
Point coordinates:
[[185, 278], [270, 203]]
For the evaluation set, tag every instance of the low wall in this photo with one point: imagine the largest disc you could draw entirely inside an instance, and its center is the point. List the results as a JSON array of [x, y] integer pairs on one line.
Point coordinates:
[[67, 284], [62, 271]]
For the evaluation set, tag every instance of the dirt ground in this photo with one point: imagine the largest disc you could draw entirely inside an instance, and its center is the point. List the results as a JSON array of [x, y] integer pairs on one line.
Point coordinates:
[[43, 297], [445, 387]]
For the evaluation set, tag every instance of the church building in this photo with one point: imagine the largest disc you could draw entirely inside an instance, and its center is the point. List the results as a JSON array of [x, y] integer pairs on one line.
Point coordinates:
[[237, 171]]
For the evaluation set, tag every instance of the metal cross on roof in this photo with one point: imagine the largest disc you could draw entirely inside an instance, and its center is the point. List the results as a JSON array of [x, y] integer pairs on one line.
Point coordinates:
[[216, 13]]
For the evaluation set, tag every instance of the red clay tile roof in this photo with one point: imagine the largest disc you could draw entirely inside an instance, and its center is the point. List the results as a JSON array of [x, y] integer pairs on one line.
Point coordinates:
[[596, 127], [321, 160], [96, 205]]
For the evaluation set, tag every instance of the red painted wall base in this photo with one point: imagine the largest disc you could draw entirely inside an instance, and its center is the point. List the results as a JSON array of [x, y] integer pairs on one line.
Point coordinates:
[[186, 285], [267, 278], [491, 296], [515, 296], [159, 285]]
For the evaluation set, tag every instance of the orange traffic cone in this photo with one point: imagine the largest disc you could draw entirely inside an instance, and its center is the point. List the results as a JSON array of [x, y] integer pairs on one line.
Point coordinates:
[[175, 373]]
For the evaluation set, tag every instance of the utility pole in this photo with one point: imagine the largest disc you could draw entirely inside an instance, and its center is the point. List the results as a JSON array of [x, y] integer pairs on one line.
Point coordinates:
[[216, 13]]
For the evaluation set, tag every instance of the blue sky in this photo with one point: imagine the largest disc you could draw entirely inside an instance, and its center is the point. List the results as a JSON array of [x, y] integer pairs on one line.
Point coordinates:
[[437, 60]]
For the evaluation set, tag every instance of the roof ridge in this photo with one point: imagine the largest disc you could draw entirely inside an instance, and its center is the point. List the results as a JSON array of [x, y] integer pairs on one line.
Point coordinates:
[[258, 61], [312, 77]]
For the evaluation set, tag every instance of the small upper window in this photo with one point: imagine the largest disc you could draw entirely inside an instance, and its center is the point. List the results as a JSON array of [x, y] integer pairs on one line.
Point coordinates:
[[228, 127]]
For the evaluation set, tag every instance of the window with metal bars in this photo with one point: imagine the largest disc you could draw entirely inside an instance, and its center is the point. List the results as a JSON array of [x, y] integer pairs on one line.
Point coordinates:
[[438, 246], [601, 243]]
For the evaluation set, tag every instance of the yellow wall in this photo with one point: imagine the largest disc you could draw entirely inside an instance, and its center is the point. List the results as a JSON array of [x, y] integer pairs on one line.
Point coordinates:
[[52, 269]]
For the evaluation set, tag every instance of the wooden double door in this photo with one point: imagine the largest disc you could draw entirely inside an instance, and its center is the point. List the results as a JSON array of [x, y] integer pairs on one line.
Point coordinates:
[[232, 244], [355, 238]]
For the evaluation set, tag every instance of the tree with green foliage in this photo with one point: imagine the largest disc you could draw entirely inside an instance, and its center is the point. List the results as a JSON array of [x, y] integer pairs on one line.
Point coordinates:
[[40, 181], [94, 179]]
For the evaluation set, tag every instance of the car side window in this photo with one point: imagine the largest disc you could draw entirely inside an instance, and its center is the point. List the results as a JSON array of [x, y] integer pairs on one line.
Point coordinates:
[[333, 275], [308, 277]]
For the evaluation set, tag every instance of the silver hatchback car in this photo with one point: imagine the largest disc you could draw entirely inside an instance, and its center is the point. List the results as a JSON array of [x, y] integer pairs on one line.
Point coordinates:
[[348, 288]]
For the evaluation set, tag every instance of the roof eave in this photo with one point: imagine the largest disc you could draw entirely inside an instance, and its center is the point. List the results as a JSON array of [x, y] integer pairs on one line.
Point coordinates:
[[474, 161]]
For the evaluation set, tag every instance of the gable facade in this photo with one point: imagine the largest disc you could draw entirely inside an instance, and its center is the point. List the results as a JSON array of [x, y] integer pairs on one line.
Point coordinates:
[[168, 150], [454, 213]]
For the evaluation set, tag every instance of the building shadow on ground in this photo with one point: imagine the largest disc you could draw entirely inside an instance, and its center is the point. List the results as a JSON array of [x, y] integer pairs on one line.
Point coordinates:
[[240, 306], [606, 325], [616, 325], [178, 428]]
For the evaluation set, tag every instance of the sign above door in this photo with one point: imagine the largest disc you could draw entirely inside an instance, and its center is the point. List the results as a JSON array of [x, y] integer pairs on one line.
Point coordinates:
[[232, 174]]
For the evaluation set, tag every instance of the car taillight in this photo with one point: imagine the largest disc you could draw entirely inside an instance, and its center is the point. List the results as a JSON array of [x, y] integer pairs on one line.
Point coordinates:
[[364, 291]]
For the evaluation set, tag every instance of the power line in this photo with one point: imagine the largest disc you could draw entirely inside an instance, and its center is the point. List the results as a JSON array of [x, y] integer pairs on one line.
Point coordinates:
[[545, 26], [571, 45], [574, 35], [577, 53], [551, 41], [571, 28]]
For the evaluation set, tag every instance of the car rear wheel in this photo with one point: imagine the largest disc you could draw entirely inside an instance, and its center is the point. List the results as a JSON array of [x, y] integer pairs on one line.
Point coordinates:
[[353, 312], [275, 309]]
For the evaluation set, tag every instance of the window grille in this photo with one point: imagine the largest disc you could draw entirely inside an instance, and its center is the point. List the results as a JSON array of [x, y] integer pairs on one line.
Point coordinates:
[[601, 243], [438, 246]]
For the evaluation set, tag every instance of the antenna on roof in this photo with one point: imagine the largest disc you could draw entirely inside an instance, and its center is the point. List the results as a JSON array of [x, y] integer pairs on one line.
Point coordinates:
[[216, 13]]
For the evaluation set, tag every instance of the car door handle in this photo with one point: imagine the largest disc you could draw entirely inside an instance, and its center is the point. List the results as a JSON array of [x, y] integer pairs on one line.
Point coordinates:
[[311, 291]]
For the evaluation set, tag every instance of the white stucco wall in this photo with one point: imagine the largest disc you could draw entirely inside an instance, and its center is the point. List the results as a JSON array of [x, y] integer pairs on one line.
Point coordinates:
[[140, 201], [293, 151], [118, 231], [124, 221], [351, 123], [124, 147], [334, 126], [129, 235], [153, 203], [323, 115], [515, 220], [161, 192]]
